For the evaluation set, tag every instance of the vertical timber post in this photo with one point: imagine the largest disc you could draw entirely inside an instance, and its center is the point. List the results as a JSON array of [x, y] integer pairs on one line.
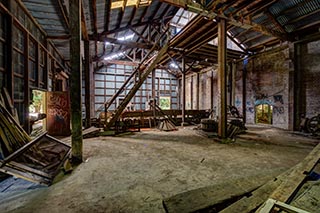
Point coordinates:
[[299, 101], [233, 84], [75, 80], [222, 129], [87, 82], [183, 101], [153, 94], [198, 91]]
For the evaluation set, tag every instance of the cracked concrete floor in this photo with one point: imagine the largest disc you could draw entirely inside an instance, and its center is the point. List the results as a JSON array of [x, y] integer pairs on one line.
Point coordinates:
[[134, 173]]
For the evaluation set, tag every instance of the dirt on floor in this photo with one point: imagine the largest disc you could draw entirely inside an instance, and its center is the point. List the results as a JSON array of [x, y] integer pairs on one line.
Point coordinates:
[[135, 172]]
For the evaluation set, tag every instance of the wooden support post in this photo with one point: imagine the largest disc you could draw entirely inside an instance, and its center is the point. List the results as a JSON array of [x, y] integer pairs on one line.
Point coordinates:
[[183, 99], [191, 92], [153, 85], [88, 81], [9, 50], [75, 80], [222, 90], [244, 91], [211, 91], [233, 84], [299, 102], [25, 116], [198, 91]]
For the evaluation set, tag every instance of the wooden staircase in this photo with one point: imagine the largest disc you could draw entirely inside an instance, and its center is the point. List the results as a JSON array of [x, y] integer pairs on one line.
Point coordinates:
[[145, 69]]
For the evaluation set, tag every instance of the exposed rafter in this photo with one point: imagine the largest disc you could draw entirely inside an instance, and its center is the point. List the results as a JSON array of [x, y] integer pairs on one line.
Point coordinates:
[[84, 25], [64, 12], [94, 13], [246, 24], [107, 14], [274, 21]]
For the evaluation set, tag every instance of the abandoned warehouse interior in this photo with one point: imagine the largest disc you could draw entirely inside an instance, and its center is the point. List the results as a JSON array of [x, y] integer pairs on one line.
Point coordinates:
[[159, 105]]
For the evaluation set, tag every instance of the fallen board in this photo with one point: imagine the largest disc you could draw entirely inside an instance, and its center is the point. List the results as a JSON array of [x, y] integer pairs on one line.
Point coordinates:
[[260, 195], [296, 177], [205, 197]]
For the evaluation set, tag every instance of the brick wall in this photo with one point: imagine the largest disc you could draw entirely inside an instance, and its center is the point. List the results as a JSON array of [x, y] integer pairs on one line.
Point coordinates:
[[310, 74]]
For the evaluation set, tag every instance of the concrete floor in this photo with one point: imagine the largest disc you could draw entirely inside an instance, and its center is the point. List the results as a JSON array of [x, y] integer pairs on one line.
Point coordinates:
[[134, 173]]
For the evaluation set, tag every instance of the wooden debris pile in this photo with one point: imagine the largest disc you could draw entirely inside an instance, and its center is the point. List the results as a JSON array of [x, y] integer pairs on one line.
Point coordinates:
[[38, 160]]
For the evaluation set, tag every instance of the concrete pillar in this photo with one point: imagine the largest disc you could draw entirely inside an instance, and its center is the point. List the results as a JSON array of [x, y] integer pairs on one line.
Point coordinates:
[[222, 89], [75, 80]]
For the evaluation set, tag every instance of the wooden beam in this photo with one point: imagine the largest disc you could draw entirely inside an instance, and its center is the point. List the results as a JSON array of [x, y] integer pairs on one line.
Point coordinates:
[[246, 24], [183, 101], [122, 62], [64, 12], [139, 35], [135, 88], [76, 80], [274, 21], [222, 78], [237, 43], [107, 14], [121, 13], [84, 31], [93, 5], [88, 82]]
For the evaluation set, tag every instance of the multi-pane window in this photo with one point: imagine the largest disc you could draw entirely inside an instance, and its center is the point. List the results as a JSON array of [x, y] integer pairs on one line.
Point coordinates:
[[32, 67], [109, 80], [42, 74], [18, 70]]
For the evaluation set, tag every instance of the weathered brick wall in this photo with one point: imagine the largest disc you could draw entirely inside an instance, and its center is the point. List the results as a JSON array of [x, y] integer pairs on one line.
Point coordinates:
[[310, 73], [267, 81]]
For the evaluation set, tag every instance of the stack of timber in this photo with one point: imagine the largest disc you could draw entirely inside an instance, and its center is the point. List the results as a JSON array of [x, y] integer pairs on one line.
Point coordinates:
[[38, 160]]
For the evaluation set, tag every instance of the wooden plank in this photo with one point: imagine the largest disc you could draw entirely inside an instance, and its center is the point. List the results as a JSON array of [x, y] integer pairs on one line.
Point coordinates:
[[277, 188], [271, 203], [296, 177], [194, 200], [259, 196], [14, 121], [25, 175], [21, 150]]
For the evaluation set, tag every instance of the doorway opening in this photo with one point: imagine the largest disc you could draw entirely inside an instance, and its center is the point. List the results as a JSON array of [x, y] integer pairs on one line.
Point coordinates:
[[37, 112], [264, 114]]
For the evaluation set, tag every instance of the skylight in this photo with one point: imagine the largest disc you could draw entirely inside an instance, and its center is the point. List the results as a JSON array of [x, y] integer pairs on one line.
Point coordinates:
[[127, 37], [114, 56]]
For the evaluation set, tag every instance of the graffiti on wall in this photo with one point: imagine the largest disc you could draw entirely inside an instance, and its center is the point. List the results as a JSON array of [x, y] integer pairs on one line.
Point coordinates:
[[278, 98], [58, 112]]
